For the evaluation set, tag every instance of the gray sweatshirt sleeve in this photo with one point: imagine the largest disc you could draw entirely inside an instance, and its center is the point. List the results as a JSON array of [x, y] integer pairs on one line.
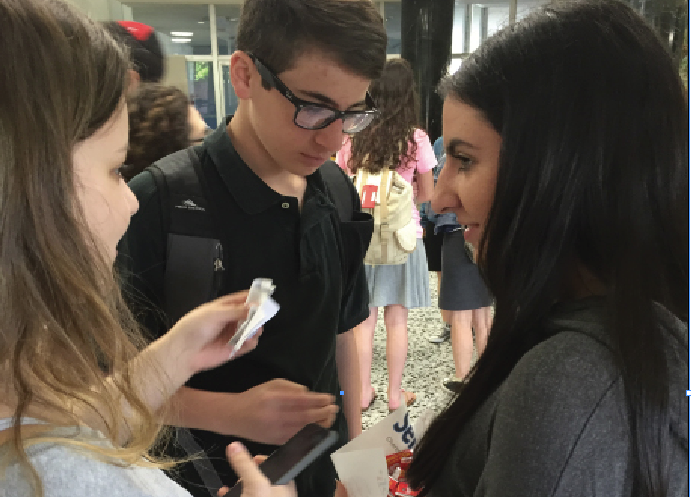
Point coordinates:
[[65, 472], [559, 429]]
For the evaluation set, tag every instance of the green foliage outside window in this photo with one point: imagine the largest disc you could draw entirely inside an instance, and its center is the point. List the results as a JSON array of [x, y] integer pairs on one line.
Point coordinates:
[[201, 70]]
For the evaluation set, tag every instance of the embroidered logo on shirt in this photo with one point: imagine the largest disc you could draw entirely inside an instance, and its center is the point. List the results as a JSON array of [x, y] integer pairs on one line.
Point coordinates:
[[190, 206]]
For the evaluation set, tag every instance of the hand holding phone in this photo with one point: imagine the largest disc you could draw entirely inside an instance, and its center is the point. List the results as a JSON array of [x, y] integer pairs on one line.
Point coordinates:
[[291, 458], [254, 483]]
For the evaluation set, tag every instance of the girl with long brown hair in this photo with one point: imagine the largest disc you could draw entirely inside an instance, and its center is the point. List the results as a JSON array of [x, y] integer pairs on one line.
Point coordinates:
[[394, 140], [80, 394]]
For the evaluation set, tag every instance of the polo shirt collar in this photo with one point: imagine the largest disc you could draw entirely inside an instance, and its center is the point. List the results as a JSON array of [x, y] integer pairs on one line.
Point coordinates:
[[249, 191]]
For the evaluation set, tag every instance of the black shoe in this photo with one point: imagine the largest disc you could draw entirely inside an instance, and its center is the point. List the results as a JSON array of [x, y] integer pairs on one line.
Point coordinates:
[[443, 336], [454, 385]]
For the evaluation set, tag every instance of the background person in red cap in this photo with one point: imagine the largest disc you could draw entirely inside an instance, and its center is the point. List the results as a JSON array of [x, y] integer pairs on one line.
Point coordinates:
[[146, 53]]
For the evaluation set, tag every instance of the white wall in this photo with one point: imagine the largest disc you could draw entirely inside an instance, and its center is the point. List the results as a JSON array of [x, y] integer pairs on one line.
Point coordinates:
[[104, 10], [176, 73]]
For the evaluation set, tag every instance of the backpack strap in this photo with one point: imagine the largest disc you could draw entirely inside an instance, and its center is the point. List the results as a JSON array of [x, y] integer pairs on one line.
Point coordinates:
[[163, 194], [339, 188], [384, 209], [194, 259], [174, 177], [359, 181], [194, 254]]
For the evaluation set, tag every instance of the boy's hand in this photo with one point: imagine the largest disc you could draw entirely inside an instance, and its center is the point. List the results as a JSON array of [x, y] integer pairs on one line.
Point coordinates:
[[274, 411]]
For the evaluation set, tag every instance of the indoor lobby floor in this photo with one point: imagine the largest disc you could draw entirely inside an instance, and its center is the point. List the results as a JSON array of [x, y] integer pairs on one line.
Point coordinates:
[[427, 365]]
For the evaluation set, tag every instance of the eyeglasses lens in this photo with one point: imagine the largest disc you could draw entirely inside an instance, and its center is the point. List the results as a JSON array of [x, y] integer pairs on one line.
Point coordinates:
[[314, 117], [319, 117], [357, 122]]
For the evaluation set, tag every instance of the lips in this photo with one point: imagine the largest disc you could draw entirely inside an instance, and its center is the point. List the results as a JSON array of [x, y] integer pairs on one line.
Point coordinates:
[[316, 157], [312, 162]]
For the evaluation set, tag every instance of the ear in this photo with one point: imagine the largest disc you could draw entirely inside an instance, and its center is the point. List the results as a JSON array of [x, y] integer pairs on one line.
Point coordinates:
[[242, 73], [134, 80]]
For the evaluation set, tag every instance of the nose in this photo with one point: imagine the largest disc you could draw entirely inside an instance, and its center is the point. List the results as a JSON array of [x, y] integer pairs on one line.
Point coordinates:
[[132, 201], [331, 137], [444, 197]]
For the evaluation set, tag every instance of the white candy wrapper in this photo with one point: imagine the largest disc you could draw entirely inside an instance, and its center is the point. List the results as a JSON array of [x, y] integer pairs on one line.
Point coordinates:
[[262, 308]]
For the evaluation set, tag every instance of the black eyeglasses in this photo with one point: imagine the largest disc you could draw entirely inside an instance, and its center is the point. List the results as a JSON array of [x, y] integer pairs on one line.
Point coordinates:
[[310, 115]]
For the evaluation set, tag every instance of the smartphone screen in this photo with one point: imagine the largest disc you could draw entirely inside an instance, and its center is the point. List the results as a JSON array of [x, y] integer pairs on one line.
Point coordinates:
[[296, 454]]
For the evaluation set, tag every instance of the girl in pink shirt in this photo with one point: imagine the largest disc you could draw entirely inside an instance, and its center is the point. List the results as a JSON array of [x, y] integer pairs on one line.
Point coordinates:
[[393, 139]]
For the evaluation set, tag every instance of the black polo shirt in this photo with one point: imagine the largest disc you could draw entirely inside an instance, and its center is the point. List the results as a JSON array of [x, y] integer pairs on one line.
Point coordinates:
[[314, 259]]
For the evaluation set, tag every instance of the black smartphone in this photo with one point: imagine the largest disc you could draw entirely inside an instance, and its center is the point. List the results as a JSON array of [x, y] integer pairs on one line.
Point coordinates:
[[286, 462]]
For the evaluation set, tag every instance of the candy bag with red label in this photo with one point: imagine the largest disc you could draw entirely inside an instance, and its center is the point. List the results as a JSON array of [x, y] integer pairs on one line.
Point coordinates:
[[398, 464]]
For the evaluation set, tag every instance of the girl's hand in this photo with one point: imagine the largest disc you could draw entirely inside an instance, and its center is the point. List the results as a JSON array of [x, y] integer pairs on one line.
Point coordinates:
[[201, 337], [254, 483]]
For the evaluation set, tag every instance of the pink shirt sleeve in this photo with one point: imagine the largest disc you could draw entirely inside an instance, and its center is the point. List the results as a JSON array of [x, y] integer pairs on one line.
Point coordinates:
[[343, 155], [426, 160]]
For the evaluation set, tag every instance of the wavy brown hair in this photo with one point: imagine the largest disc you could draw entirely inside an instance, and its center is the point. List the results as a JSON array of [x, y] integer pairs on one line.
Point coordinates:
[[159, 125], [390, 138], [63, 324]]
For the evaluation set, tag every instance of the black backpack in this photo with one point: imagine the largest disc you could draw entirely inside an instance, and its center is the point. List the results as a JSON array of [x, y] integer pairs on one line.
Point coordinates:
[[194, 262]]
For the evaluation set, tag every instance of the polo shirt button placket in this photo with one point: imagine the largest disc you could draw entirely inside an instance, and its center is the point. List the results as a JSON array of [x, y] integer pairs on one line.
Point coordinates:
[[285, 205]]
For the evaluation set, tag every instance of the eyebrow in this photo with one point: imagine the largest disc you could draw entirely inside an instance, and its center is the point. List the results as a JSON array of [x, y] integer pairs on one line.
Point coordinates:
[[328, 101], [455, 142]]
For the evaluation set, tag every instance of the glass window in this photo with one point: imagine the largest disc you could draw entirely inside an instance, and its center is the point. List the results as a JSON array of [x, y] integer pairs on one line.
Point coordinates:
[[227, 17], [497, 18], [476, 27], [200, 83], [458, 33], [670, 20], [482, 21], [392, 22], [525, 7], [455, 65], [182, 29]]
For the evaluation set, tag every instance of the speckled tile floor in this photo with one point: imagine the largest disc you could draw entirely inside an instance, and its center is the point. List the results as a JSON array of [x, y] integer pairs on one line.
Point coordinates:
[[427, 364]]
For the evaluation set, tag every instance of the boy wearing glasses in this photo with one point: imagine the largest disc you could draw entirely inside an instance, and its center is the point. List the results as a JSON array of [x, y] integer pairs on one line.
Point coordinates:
[[301, 75]]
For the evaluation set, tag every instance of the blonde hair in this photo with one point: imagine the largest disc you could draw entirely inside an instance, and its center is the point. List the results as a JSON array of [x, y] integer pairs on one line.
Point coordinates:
[[64, 327]]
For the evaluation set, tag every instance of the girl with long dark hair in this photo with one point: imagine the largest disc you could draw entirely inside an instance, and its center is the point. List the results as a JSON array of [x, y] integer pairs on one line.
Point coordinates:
[[567, 157], [393, 140]]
